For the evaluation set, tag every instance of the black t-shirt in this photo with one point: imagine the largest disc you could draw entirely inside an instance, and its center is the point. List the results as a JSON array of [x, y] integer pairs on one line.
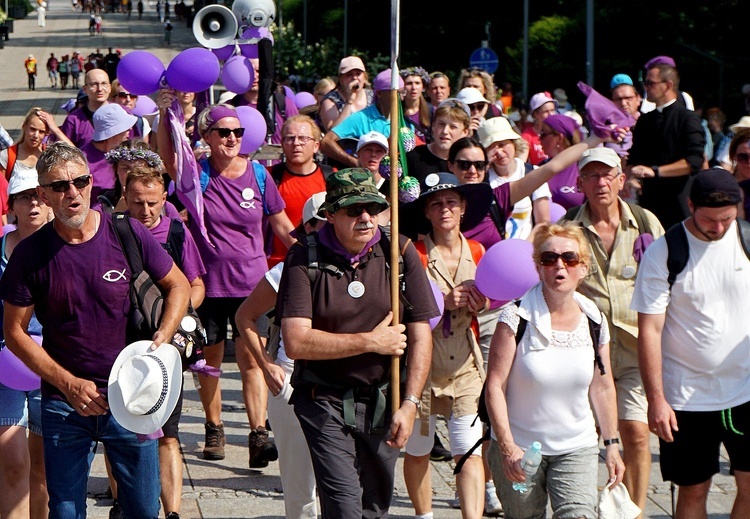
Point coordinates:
[[421, 162]]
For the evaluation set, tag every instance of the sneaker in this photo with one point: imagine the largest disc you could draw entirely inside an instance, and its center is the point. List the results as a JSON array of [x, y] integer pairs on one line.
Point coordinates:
[[173, 515], [262, 449], [455, 502], [439, 453], [215, 442], [116, 511], [492, 506]]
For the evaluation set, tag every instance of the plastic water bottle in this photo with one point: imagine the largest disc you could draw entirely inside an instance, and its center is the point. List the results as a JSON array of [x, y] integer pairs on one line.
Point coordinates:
[[530, 464]]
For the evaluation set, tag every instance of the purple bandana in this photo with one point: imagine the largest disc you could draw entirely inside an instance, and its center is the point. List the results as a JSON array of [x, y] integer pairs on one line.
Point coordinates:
[[563, 124], [328, 238], [603, 113], [219, 112]]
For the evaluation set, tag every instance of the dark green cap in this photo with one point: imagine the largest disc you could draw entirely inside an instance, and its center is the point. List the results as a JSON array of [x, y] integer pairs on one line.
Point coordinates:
[[349, 187]]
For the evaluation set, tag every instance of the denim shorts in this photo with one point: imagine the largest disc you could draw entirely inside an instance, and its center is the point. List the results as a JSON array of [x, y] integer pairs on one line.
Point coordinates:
[[22, 408], [569, 480]]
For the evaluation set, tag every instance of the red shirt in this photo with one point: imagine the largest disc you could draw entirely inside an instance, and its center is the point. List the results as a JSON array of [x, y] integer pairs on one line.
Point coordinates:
[[536, 153]]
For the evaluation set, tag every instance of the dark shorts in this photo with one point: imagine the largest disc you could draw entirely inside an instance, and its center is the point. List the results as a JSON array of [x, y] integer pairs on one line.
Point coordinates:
[[693, 457], [171, 428], [215, 313]]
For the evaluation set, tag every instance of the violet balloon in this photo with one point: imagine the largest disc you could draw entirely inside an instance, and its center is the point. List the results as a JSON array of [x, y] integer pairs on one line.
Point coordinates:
[[249, 50], [15, 374], [224, 53], [238, 74], [8, 227], [507, 270], [440, 300], [193, 70], [304, 99], [255, 129], [288, 92], [140, 72], [145, 106], [556, 211]]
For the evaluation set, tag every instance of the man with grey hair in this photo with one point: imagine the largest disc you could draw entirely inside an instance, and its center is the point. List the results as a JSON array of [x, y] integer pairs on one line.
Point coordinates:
[[617, 232], [74, 275]]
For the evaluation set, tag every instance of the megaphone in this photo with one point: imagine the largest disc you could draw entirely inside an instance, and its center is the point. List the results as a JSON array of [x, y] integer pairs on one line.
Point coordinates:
[[215, 26], [254, 13]]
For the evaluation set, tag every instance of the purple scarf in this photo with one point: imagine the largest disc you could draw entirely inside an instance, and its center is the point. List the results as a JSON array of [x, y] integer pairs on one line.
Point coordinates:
[[328, 238], [603, 113]]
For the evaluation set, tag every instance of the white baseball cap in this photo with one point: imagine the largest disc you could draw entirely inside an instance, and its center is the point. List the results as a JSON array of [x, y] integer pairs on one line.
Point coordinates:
[[371, 137], [600, 154], [311, 209], [23, 181], [539, 99], [470, 96]]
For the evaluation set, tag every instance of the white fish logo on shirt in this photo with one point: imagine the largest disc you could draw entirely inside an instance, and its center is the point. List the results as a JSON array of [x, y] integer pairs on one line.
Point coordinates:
[[114, 275]]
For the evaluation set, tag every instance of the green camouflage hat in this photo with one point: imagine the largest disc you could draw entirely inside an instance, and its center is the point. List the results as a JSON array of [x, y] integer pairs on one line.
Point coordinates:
[[349, 187]]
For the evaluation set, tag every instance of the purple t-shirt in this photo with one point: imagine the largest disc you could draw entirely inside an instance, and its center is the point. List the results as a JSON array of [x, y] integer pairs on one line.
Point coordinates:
[[564, 188], [233, 215], [191, 266], [104, 174], [78, 126], [80, 294], [486, 232]]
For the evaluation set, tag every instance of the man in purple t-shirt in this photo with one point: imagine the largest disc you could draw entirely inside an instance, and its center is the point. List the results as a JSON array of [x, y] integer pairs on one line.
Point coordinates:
[[78, 125], [145, 196], [74, 275]]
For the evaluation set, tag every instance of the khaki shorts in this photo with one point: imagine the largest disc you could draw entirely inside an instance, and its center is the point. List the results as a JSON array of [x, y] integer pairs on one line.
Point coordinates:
[[631, 397]]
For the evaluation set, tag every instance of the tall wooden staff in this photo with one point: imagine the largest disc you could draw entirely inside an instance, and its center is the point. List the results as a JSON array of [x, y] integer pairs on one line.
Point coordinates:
[[393, 147]]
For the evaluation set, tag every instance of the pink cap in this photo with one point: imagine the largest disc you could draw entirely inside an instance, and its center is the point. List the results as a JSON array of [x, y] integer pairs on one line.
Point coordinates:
[[351, 63], [537, 100]]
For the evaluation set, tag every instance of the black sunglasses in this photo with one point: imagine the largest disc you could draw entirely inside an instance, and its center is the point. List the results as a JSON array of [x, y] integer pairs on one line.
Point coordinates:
[[465, 165], [743, 157], [126, 95], [61, 186], [549, 258], [224, 132], [356, 210]]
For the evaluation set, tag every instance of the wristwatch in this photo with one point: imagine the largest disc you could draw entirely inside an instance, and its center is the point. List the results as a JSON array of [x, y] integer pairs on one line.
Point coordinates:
[[611, 441], [414, 400], [656, 171]]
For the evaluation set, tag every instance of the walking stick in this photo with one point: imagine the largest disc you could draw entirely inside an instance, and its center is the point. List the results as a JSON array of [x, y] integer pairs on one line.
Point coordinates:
[[393, 148]]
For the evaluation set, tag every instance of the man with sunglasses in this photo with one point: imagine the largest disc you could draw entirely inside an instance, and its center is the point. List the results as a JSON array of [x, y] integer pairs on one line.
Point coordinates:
[[78, 125], [334, 305], [668, 148], [614, 230], [694, 347], [74, 275]]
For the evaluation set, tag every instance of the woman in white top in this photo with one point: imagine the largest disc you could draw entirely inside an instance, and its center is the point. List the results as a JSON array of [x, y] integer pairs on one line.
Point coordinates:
[[544, 388]]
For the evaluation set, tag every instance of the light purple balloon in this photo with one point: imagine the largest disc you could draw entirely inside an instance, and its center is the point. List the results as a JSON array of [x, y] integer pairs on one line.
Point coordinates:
[[139, 72], [15, 374], [193, 70], [237, 74], [249, 50], [507, 270], [304, 99], [255, 129], [145, 106], [8, 227], [288, 92], [258, 32], [224, 53], [556, 211], [440, 300]]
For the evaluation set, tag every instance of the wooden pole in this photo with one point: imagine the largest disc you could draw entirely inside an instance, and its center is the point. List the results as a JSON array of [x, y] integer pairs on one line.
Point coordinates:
[[393, 151]]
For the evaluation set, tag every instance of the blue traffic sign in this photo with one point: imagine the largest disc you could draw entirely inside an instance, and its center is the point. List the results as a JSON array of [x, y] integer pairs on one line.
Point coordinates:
[[484, 58]]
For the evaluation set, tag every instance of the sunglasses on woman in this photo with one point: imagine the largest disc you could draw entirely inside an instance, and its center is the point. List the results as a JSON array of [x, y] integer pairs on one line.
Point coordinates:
[[225, 132], [465, 165], [569, 258], [61, 186], [743, 157], [126, 95]]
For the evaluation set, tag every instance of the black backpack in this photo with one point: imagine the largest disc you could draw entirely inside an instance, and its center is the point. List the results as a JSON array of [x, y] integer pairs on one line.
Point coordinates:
[[595, 329]]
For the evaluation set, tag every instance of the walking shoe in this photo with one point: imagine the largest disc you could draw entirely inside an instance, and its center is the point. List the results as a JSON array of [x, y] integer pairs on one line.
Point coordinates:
[[439, 453], [173, 515], [213, 449], [116, 511], [492, 506], [262, 450]]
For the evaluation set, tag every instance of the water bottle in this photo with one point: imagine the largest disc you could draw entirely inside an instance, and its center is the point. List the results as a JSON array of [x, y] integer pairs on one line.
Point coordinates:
[[530, 464]]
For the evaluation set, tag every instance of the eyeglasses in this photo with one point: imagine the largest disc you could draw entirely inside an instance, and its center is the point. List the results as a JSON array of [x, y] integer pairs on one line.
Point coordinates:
[[648, 83], [102, 85], [609, 177], [623, 98], [542, 134], [465, 165], [356, 210], [549, 258], [743, 157], [225, 132], [61, 186], [292, 139], [25, 198], [126, 95], [477, 107]]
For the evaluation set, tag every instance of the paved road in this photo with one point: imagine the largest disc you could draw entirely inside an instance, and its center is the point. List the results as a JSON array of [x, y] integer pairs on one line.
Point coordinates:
[[226, 489]]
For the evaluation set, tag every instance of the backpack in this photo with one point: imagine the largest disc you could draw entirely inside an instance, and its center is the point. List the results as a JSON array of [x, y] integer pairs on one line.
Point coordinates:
[[175, 243], [260, 179], [277, 171], [147, 300], [678, 249], [595, 329]]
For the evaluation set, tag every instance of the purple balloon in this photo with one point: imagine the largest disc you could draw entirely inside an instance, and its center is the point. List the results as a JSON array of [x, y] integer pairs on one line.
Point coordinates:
[[145, 106], [304, 99], [193, 70], [507, 270], [139, 72], [238, 74], [15, 374], [255, 129], [440, 300], [249, 50], [8, 227], [288, 92], [257, 32], [556, 211], [224, 53]]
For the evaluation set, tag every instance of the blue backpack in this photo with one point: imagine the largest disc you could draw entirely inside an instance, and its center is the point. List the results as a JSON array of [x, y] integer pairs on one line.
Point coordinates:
[[260, 179]]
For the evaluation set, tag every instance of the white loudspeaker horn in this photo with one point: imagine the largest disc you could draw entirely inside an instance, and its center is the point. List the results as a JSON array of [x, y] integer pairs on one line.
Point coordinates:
[[215, 26], [254, 13]]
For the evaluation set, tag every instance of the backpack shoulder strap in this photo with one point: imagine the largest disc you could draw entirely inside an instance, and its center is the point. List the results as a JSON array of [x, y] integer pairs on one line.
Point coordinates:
[[280, 102], [204, 174], [128, 243], [477, 250], [743, 228], [176, 241], [595, 329], [277, 172], [326, 169], [497, 218], [640, 218], [521, 325], [260, 179], [422, 251], [12, 156], [571, 213], [314, 263], [678, 251]]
